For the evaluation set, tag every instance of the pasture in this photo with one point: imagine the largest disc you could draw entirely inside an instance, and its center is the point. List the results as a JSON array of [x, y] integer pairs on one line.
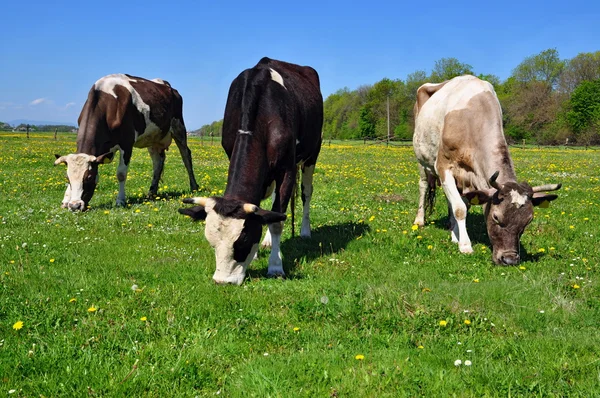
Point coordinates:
[[120, 301]]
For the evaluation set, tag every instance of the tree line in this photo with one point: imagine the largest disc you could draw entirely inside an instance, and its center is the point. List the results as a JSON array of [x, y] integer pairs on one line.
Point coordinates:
[[546, 99]]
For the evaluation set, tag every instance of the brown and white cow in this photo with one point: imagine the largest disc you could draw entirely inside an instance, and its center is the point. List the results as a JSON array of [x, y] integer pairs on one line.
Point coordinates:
[[272, 125], [123, 112], [459, 141]]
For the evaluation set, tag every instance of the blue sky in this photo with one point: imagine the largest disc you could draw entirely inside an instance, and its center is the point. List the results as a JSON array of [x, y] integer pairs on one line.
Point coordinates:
[[52, 52]]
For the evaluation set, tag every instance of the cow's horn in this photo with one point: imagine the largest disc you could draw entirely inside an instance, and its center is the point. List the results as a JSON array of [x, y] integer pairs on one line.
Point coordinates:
[[197, 201], [493, 182], [60, 160], [250, 208], [546, 188]]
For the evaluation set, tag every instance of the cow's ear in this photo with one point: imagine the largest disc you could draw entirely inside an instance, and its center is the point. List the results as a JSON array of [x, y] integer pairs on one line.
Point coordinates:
[[542, 199], [105, 158], [268, 217], [60, 159], [479, 197], [196, 212]]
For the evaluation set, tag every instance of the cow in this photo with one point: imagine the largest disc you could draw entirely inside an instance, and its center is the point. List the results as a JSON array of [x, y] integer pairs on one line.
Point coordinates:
[[459, 143], [122, 112], [271, 127]]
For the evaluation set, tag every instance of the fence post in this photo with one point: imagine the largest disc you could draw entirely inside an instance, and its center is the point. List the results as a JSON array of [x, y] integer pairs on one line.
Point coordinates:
[[27, 131], [523, 147], [55, 131]]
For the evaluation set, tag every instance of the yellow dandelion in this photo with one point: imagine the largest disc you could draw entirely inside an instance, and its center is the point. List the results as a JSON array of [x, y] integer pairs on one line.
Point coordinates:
[[419, 237], [425, 290], [475, 280], [430, 247], [572, 226], [420, 347], [149, 225], [72, 300], [576, 286], [522, 268], [106, 212], [541, 250], [443, 323], [92, 309], [18, 325], [359, 357], [143, 319], [371, 218], [296, 329], [467, 322], [414, 227], [51, 260], [137, 210]]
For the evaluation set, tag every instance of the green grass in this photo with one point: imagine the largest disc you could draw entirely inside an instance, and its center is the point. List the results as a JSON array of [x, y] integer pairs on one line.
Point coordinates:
[[365, 284]]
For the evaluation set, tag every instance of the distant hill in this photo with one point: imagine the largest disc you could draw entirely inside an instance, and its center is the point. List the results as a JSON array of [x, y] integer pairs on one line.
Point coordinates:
[[40, 123]]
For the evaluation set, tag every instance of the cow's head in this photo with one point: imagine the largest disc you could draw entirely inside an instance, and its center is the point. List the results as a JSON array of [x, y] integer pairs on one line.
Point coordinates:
[[508, 210], [233, 229], [82, 173]]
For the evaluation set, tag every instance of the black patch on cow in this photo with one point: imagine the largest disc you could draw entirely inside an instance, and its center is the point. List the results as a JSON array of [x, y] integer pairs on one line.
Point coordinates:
[[229, 207], [249, 236], [89, 183]]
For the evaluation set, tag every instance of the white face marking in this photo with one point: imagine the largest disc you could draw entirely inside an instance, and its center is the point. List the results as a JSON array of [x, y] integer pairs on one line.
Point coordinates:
[[518, 199], [222, 232], [77, 165], [277, 77], [245, 132]]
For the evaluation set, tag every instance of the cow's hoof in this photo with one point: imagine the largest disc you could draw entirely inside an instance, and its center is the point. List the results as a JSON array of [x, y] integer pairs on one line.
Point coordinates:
[[276, 272], [467, 249], [120, 203], [305, 234]]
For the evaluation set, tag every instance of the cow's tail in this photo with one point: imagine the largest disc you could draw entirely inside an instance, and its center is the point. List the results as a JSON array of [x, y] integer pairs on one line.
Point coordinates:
[[430, 195]]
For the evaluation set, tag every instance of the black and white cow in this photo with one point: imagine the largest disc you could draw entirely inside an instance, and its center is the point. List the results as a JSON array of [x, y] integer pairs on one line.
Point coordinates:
[[123, 112], [272, 126]]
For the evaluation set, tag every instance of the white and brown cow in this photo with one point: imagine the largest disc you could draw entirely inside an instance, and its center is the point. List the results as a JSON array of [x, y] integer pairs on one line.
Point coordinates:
[[123, 112], [272, 125], [459, 141]]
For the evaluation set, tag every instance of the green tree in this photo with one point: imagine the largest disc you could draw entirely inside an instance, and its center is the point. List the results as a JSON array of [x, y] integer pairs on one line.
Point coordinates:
[[584, 114], [584, 67], [543, 67], [447, 68], [366, 123]]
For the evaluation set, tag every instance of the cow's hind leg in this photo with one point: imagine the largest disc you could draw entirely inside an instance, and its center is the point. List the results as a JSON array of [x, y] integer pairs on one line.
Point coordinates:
[[157, 154], [122, 168], [180, 137], [427, 187], [307, 190], [459, 211]]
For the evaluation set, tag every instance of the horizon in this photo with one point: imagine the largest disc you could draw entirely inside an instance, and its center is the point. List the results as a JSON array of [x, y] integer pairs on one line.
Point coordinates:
[[201, 48]]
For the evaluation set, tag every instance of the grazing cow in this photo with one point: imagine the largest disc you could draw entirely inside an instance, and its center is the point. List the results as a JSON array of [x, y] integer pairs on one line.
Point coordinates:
[[272, 126], [122, 112], [459, 142]]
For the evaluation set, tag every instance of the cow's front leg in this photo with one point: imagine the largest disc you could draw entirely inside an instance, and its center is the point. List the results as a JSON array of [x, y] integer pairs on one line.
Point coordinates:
[[67, 197], [275, 261], [122, 177], [459, 211], [452, 225], [157, 154], [266, 243], [280, 202], [307, 190]]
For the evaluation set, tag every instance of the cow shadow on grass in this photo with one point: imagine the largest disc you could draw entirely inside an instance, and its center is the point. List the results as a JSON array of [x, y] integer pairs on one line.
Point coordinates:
[[324, 241], [137, 200], [477, 231]]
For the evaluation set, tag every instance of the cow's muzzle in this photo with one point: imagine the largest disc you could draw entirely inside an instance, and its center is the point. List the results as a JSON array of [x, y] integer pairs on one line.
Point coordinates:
[[509, 258], [237, 279], [77, 205]]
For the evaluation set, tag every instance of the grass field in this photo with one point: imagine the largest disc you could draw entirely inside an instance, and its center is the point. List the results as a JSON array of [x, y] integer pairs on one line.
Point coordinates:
[[120, 301]]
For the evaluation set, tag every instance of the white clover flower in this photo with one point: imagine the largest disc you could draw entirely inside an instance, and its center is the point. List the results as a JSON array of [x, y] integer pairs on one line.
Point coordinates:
[[467, 363], [458, 362], [134, 287]]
